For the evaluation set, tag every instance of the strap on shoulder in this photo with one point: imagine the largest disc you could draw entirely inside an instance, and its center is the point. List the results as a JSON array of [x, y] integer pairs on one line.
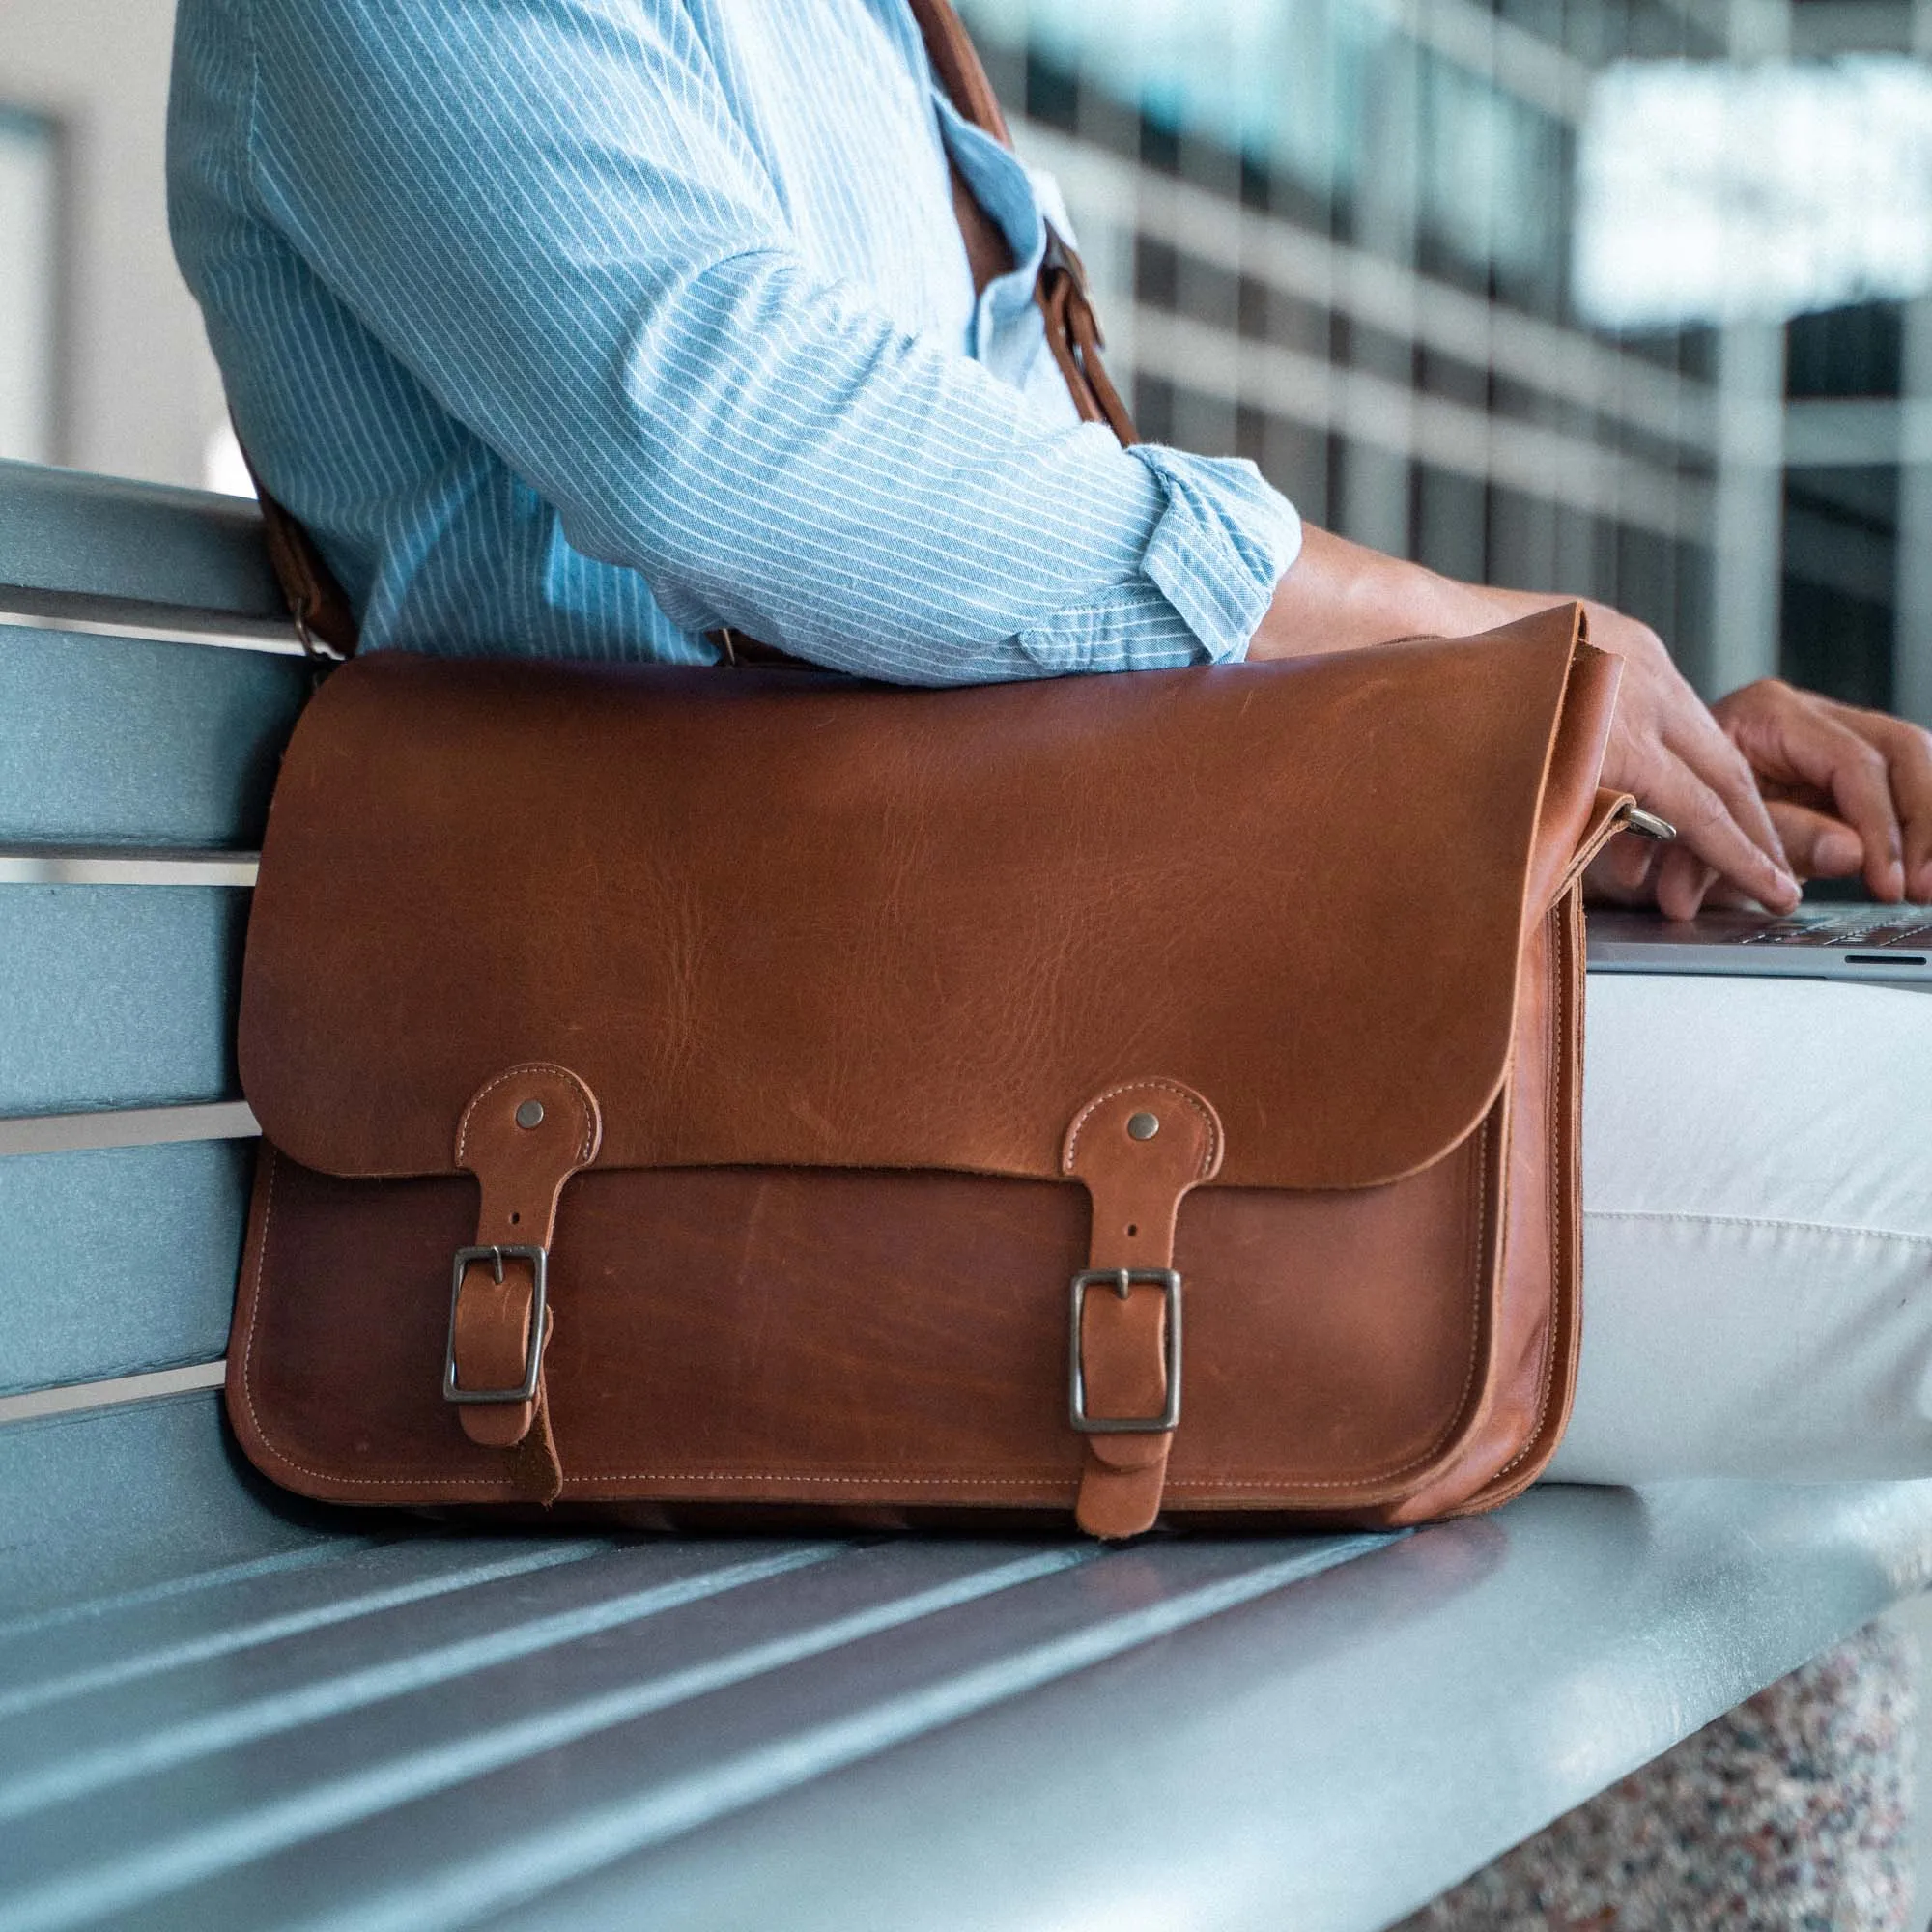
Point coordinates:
[[957, 67], [324, 619], [1073, 330]]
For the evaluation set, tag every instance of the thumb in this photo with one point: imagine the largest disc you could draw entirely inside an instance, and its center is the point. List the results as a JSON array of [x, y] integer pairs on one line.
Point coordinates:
[[1818, 845]]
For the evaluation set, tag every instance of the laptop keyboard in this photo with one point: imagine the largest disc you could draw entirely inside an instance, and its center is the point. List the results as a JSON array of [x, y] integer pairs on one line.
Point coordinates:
[[1871, 928]]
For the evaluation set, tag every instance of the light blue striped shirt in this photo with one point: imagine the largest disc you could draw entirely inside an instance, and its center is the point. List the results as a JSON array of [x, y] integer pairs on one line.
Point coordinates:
[[581, 328]]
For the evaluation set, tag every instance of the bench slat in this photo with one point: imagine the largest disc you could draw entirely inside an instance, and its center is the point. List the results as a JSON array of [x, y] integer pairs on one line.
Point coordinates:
[[132, 741], [432, 1652], [74, 545], [118, 996], [135, 1506], [432, 1646], [404, 1563], [118, 1260]]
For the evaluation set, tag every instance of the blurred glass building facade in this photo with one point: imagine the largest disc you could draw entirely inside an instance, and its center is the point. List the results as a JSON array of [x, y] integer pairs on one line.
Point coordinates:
[[1341, 236]]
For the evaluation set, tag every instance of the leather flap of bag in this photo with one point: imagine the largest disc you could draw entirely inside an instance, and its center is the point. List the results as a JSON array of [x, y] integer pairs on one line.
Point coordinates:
[[773, 917]]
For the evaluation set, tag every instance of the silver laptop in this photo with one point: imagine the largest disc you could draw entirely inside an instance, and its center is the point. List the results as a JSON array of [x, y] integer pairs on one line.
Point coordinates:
[[1884, 946]]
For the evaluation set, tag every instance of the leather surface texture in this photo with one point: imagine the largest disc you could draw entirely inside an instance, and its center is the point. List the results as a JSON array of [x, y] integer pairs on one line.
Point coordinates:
[[843, 967]]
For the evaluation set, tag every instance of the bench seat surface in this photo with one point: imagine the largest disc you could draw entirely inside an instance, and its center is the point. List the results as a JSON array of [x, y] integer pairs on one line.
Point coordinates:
[[225, 1708]]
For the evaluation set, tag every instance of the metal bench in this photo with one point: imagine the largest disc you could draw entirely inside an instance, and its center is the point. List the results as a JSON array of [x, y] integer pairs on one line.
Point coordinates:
[[224, 1707]]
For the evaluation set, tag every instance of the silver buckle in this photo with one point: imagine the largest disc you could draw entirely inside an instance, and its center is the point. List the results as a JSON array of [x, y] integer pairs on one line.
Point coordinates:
[[1122, 1282], [539, 1261]]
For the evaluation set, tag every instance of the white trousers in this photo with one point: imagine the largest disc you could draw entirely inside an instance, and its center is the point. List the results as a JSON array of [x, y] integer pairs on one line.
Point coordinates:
[[1757, 1246]]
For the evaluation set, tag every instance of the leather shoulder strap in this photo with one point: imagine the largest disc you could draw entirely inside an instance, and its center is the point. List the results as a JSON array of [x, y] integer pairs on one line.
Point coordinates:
[[957, 66], [1073, 330], [324, 620]]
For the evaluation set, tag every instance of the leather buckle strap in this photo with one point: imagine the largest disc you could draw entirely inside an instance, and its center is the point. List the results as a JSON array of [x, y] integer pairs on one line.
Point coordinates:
[[524, 1133], [539, 1261], [1124, 1282], [1139, 1148]]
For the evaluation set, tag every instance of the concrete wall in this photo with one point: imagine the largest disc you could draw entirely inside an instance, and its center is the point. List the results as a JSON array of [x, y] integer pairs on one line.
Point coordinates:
[[138, 392]]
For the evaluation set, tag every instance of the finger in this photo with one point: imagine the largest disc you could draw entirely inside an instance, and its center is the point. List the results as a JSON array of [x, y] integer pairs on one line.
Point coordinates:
[[1674, 755], [1861, 787], [1907, 757], [1707, 826], [1816, 846], [1681, 881], [1703, 744], [1602, 886], [1827, 755], [1627, 862]]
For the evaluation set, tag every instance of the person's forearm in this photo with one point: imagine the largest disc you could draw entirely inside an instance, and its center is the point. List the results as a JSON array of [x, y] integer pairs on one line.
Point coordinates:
[[1339, 596]]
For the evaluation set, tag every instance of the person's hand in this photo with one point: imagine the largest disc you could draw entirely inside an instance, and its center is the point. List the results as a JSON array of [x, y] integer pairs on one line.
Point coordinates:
[[1849, 790], [1668, 750], [1773, 785]]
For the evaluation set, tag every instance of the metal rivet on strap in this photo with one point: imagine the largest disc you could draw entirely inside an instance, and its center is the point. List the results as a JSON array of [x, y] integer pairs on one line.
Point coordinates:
[[529, 1114], [1144, 1126]]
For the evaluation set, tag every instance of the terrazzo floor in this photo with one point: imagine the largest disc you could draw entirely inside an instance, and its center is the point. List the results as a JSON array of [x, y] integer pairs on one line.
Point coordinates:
[[1807, 1809]]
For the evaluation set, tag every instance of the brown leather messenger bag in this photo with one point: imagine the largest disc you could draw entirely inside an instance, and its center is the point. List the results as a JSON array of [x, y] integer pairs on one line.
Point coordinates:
[[692, 1093]]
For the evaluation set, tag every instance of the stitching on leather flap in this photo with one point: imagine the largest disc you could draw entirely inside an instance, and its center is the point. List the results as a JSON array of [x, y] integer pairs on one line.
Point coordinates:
[[1209, 1160]]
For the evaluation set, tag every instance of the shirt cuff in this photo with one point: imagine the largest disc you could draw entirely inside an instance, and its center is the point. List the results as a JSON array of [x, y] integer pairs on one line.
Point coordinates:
[[1216, 552], [1221, 547]]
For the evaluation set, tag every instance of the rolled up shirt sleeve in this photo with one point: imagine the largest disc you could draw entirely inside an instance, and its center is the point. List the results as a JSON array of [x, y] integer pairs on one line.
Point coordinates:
[[1204, 574], [544, 210]]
